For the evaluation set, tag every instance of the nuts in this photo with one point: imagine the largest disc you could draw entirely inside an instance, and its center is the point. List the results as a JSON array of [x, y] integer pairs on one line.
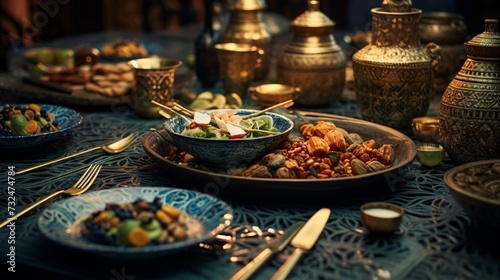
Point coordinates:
[[316, 157], [359, 167]]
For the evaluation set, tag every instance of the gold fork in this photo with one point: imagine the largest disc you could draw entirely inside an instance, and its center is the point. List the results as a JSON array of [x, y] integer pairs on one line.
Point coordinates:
[[82, 185], [113, 148]]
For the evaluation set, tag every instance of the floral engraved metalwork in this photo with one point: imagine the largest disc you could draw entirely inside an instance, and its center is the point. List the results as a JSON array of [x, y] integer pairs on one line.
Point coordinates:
[[470, 106], [396, 102], [393, 75], [246, 26], [312, 60], [391, 28]]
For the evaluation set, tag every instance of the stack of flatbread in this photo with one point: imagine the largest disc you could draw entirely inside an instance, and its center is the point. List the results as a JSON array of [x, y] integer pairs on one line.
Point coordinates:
[[109, 79]]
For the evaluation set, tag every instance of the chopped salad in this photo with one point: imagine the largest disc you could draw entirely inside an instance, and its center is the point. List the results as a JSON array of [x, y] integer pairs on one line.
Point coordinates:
[[226, 124]]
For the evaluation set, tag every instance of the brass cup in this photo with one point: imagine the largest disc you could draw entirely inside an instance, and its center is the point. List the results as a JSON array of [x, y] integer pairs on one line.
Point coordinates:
[[154, 80], [237, 64], [381, 217], [426, 129], [270, 94]]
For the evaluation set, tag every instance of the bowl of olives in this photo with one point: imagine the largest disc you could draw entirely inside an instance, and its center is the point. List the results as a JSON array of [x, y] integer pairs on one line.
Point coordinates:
[[25, 125]]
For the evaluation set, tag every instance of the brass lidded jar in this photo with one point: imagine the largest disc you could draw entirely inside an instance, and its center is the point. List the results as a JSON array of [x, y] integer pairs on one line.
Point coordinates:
[[312, 60], [394, 74], [469, 116], [449, 31], [246, 26]]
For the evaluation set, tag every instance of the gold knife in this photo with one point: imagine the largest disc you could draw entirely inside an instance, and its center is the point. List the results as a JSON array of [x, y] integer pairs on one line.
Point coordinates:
[[303, 241], [274, 248]]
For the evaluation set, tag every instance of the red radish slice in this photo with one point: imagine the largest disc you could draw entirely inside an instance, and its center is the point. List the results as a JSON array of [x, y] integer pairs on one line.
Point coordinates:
[[235, 132], [201, 119]]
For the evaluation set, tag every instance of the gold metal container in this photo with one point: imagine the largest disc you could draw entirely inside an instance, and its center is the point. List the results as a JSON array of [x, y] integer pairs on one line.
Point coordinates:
[[154, 80], [469, 116], [312, 60], [450, 32], [246, 26], [394, 75], [271, 94], [426, 128]]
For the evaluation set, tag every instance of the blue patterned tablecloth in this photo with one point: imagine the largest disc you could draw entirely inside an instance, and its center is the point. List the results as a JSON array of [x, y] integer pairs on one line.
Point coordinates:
[[437, 240]]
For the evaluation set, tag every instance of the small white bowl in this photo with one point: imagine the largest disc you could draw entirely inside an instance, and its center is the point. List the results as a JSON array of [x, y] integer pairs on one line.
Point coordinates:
[[381, 217]]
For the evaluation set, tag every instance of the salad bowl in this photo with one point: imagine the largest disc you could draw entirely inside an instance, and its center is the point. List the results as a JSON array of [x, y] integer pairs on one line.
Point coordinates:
[[225, 153]]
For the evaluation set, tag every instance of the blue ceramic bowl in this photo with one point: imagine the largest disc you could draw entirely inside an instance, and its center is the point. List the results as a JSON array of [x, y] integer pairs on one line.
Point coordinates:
[[207, 215], [67, 119], [228, 152]]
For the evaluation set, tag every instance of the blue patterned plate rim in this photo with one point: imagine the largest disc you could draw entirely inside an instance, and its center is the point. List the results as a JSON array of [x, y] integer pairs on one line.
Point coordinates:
[[60, 221], [74, 120]]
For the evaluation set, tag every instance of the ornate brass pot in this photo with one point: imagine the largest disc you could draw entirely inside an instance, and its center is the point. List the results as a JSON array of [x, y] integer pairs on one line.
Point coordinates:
[[449, 31], [393, 75], [469, 116], [312, 60], [246, 26]]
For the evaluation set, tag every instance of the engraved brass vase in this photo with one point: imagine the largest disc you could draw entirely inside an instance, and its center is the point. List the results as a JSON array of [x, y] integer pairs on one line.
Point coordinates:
[[246, 26], [312, 60], [449, 31], [394, 74], [469, 116]]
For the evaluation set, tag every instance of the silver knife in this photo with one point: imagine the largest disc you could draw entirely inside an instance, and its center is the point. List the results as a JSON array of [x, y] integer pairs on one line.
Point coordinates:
[[274, 248], [303, 241]]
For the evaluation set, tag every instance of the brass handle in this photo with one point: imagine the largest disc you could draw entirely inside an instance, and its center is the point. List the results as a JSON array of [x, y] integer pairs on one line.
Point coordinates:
[[289, 264], [56, 160], [434, 51], [19, 214], [248, 270]]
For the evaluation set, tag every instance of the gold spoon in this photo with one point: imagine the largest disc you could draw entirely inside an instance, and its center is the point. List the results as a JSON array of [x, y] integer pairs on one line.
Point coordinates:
[[112, 148]]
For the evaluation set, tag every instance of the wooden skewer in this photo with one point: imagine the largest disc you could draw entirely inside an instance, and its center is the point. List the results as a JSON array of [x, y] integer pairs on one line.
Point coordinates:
[[178, 109], [284, 103], [255, 130], [171, 109], [164, 114], [182, 109]]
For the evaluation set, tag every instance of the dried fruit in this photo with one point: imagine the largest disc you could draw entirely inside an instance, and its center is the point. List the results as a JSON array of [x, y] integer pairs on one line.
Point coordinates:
[[18, 124], [317, 146], [335, 140]]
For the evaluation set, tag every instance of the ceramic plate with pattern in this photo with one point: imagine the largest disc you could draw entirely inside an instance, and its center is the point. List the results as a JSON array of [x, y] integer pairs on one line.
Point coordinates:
[[221, 152], [61, 221], [67, 119]]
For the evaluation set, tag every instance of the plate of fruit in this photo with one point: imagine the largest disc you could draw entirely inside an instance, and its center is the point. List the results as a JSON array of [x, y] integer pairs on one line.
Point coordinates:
[[25, 125], [135, 223]]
